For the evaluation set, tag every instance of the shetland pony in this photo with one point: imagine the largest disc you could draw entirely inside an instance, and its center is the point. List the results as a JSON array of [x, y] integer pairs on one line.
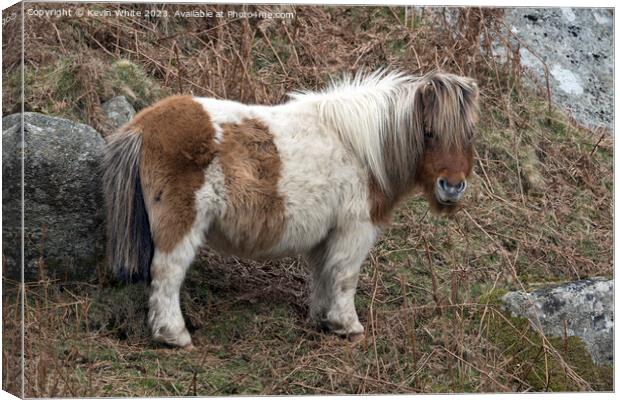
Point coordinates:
[[318, 176]]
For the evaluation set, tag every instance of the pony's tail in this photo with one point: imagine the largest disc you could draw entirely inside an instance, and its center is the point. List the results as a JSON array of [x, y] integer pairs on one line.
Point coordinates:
[[130, 244]]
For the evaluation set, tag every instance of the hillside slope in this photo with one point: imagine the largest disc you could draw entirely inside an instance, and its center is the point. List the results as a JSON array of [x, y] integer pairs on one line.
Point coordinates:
[[539, 210]]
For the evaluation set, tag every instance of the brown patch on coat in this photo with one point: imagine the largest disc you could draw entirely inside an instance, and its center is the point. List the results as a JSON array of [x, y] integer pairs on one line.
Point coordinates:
[[381, 205], [177, 146], [252, 169]]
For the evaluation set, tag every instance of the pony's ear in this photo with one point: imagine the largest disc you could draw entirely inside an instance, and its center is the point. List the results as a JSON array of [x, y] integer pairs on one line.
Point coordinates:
[[427, 102], [472, 89], [471, 95], [428, 95]]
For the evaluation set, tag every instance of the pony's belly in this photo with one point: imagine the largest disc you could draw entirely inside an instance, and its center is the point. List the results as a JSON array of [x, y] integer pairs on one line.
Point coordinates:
[[226, 243]]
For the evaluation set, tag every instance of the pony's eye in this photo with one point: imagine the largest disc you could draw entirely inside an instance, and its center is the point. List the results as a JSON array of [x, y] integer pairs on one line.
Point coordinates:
[[428, 135]]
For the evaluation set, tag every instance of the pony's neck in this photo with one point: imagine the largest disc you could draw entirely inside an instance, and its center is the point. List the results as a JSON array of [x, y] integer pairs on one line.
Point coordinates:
[[373, 116]]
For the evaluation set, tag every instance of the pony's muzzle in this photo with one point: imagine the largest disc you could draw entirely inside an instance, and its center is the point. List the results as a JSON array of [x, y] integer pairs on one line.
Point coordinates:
[[449, 192]]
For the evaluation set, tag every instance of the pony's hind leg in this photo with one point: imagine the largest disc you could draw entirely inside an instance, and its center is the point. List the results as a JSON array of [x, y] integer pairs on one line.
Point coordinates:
[[335, 268], [168, 271]]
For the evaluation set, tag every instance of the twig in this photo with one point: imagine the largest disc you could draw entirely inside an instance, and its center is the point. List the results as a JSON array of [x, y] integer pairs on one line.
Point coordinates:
[[485, 373], [179, 72], [274, 52], [598, 143], [371, 312], [436, 297], [535, 54], [211, 92]]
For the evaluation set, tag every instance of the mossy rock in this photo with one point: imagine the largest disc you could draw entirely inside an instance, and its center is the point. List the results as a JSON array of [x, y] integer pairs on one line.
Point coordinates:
[[537, 366], [129, 79]]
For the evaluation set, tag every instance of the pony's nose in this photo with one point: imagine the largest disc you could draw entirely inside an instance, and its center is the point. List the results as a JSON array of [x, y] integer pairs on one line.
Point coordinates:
[[451, 190]]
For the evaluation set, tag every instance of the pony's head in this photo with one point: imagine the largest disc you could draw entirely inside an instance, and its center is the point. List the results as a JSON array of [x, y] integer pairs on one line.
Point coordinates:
[[447, 107]]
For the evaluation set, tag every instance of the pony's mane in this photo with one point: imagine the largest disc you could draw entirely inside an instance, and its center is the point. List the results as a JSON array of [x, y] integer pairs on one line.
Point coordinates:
[[382, 117]]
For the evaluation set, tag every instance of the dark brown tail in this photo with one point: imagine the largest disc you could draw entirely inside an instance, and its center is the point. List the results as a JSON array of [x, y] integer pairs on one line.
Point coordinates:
[[130, 244]]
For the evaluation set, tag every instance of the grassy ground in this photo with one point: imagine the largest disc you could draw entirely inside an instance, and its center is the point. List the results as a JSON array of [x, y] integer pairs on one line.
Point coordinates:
[[539, 210]]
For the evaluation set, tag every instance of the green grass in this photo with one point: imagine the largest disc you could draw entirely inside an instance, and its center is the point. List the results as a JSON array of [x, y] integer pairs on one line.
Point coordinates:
[[539, 369], [130, 80]]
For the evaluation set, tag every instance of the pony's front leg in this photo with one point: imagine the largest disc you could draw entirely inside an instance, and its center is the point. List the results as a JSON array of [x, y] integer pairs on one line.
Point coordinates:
[[335, 268], [167, 275]]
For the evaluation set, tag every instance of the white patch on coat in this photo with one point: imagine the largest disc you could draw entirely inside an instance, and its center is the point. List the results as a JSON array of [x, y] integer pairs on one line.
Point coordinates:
[[358, 109], [224, 111], [322, 183], [219, 133]]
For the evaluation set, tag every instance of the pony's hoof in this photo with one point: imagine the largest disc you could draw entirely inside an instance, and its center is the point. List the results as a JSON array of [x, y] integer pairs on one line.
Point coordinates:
[[356, 337], [190, 347], [167, 337]]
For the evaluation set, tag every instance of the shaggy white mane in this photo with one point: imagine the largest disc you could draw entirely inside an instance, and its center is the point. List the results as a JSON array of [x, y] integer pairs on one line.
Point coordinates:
[[379, 116], [364, 110]]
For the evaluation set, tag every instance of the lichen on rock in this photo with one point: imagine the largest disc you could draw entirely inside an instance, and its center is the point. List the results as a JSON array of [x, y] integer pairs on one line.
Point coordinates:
[[583, 308], [63, 203]]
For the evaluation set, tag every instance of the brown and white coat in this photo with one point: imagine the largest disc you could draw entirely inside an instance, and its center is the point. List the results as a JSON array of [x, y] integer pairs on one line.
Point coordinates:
[[317, 176]]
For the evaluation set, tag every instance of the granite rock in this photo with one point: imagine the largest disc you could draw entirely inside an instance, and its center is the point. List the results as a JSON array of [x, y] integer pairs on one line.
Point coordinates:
[[118, 111], [63, 202], [586, 306], [576, 44]]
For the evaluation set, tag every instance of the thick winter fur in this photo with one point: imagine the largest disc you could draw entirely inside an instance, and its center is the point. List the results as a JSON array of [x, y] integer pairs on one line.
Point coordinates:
[[177, 146], [252, 168], [384, 118], [317, 176]]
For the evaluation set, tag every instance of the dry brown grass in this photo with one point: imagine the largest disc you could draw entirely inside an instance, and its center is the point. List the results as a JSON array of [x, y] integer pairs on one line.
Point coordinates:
[[539, 211]]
